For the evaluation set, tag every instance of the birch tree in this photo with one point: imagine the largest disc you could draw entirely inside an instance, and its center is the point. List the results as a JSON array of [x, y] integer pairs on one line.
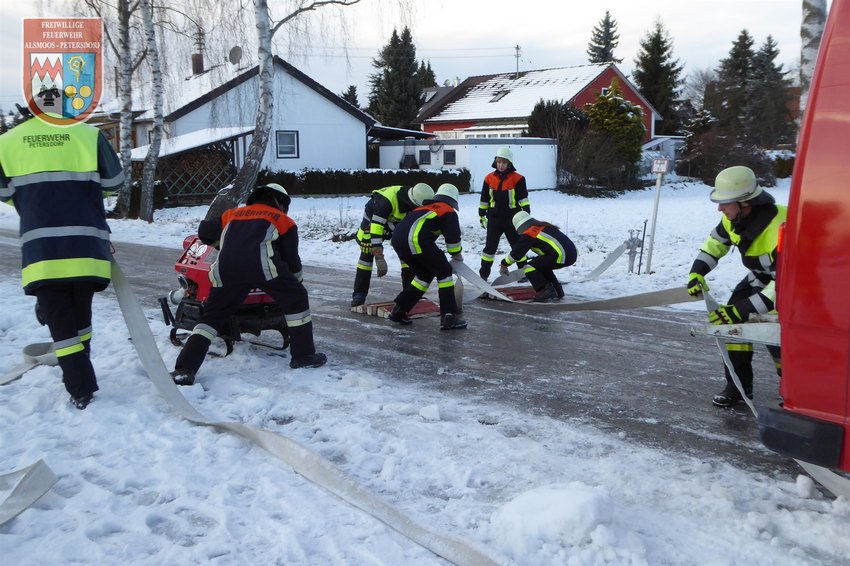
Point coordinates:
[[230, 196], [149, 168], [811, 30]]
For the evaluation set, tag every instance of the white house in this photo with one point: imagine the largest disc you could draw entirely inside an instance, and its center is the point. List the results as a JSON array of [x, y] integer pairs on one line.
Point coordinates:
[[311, 126], [534, 158]]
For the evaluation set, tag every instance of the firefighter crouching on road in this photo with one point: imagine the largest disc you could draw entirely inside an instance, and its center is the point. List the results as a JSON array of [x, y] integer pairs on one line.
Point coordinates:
[[751, 221], [56, 178], [503, 195], [258, 246], [553, 248], [415, 242], [386, 208]]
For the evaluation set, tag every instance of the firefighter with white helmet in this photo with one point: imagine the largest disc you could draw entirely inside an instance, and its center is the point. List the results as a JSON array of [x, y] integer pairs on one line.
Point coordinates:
[[503, 194], [385, 209], [415, 242], [258, 249], [750, 222], [554, 251]]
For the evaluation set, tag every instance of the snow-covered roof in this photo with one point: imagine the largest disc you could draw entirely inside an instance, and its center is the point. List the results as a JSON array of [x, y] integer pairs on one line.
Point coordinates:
[[192, 140], [511, 95]]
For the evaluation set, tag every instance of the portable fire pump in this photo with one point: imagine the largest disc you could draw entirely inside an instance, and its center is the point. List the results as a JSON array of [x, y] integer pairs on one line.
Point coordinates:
[[257, 313]]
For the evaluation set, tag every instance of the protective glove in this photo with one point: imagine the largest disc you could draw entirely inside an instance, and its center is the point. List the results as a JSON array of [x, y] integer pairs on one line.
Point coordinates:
[[503, 269], [377, 251], [381, 264], [366, 247], [696, 285], [726, 314], [483, 221], [457, 257]]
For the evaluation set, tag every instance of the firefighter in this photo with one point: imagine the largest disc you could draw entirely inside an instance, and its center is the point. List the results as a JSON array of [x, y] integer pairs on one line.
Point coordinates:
[[385, 209], [56, 177], [258, 246], [553, 248], [750, 222], [415, 242], [503, 195]]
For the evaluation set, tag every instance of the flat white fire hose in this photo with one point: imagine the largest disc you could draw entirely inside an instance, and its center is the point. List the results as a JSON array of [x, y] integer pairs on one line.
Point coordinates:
[[304, 461]]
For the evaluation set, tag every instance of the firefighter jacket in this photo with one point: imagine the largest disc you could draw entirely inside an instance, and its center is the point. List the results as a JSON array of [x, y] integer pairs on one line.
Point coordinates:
[[256, 243], [56, 178], [542, 238], [386, 208], [503, 194], [756, 237], [421, 228]]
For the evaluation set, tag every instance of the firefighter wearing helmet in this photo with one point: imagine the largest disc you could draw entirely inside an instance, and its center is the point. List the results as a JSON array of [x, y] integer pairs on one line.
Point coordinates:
[[554, 251], [750, 222], [415, 242], [386, 208], [258, 249], [503, 194]]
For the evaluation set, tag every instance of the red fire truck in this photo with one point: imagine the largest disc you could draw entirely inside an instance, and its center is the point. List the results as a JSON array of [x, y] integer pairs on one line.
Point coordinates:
[[812, 424]]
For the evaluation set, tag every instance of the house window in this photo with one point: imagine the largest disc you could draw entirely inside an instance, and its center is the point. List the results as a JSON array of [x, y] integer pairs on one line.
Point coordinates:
[[449, 157], [287, 144], [424, 157], [499, 96], [604, 91]]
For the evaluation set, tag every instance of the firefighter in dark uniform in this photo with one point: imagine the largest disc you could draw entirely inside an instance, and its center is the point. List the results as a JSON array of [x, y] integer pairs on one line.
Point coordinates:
[[385, 209], [415, 242], [554, 251], [751, 221], [258, 248], [503, 195], [56, 177]]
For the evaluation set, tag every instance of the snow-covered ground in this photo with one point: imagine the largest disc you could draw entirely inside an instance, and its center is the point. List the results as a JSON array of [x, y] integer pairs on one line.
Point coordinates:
[[139, 485]]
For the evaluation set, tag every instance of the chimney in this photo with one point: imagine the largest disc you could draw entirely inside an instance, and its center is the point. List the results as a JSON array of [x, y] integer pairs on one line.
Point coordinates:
[[198, 58]]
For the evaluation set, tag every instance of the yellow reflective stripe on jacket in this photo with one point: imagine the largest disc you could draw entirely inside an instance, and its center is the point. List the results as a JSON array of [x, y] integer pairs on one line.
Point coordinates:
[[65, 268], [414, 235]]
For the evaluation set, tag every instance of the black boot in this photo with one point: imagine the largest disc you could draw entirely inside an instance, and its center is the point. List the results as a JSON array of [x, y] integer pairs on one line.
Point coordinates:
[[730, 396], [452, 321], [183, 376], [358, 299], [484, 272], [311, 361], [82, 401], [546, 293], [399, 317]]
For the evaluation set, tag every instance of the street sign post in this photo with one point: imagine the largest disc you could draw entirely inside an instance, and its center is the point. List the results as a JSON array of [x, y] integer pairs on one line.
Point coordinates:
[[659, 167]]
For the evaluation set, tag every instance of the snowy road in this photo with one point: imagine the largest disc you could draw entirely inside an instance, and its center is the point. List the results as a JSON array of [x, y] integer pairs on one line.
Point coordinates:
[[638, 374]]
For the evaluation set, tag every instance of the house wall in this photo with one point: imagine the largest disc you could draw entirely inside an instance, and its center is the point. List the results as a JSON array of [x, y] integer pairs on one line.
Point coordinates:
[[328, 137], [535, 158]]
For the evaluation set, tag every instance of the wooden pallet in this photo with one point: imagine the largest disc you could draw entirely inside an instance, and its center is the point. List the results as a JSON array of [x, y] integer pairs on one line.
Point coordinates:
[[515, 292], [423, 309]]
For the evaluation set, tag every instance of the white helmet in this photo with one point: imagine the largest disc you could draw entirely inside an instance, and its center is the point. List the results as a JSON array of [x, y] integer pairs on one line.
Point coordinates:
[[520, 218], [449, 193], [270, 188], [735, 184], [419, 193], [505, 153]]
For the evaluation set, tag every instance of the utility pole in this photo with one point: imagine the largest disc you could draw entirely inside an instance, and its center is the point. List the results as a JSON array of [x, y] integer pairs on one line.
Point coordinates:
[[517, 50]]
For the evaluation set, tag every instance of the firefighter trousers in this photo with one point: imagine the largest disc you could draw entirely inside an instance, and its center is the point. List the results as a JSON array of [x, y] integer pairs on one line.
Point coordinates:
[[741, 353], [431, 263], [66, 310], [363, 277], [290, 295], [497, 225]]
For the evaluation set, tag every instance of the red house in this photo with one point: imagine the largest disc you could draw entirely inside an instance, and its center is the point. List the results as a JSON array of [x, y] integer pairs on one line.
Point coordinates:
[[494, 106]]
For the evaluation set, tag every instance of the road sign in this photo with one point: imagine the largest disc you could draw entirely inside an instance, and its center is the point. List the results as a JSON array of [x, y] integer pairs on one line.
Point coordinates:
[[660, 165]]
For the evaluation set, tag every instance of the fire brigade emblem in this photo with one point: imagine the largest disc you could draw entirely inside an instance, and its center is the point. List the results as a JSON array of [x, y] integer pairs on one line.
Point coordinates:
[[62, 68]]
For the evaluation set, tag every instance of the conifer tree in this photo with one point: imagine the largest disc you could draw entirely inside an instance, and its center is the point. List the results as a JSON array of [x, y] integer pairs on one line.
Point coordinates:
[[730, 100], [350, 96], [623, 121], [427, 78], [657, 75], [396, 91], [603, 41], [767, 120]]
